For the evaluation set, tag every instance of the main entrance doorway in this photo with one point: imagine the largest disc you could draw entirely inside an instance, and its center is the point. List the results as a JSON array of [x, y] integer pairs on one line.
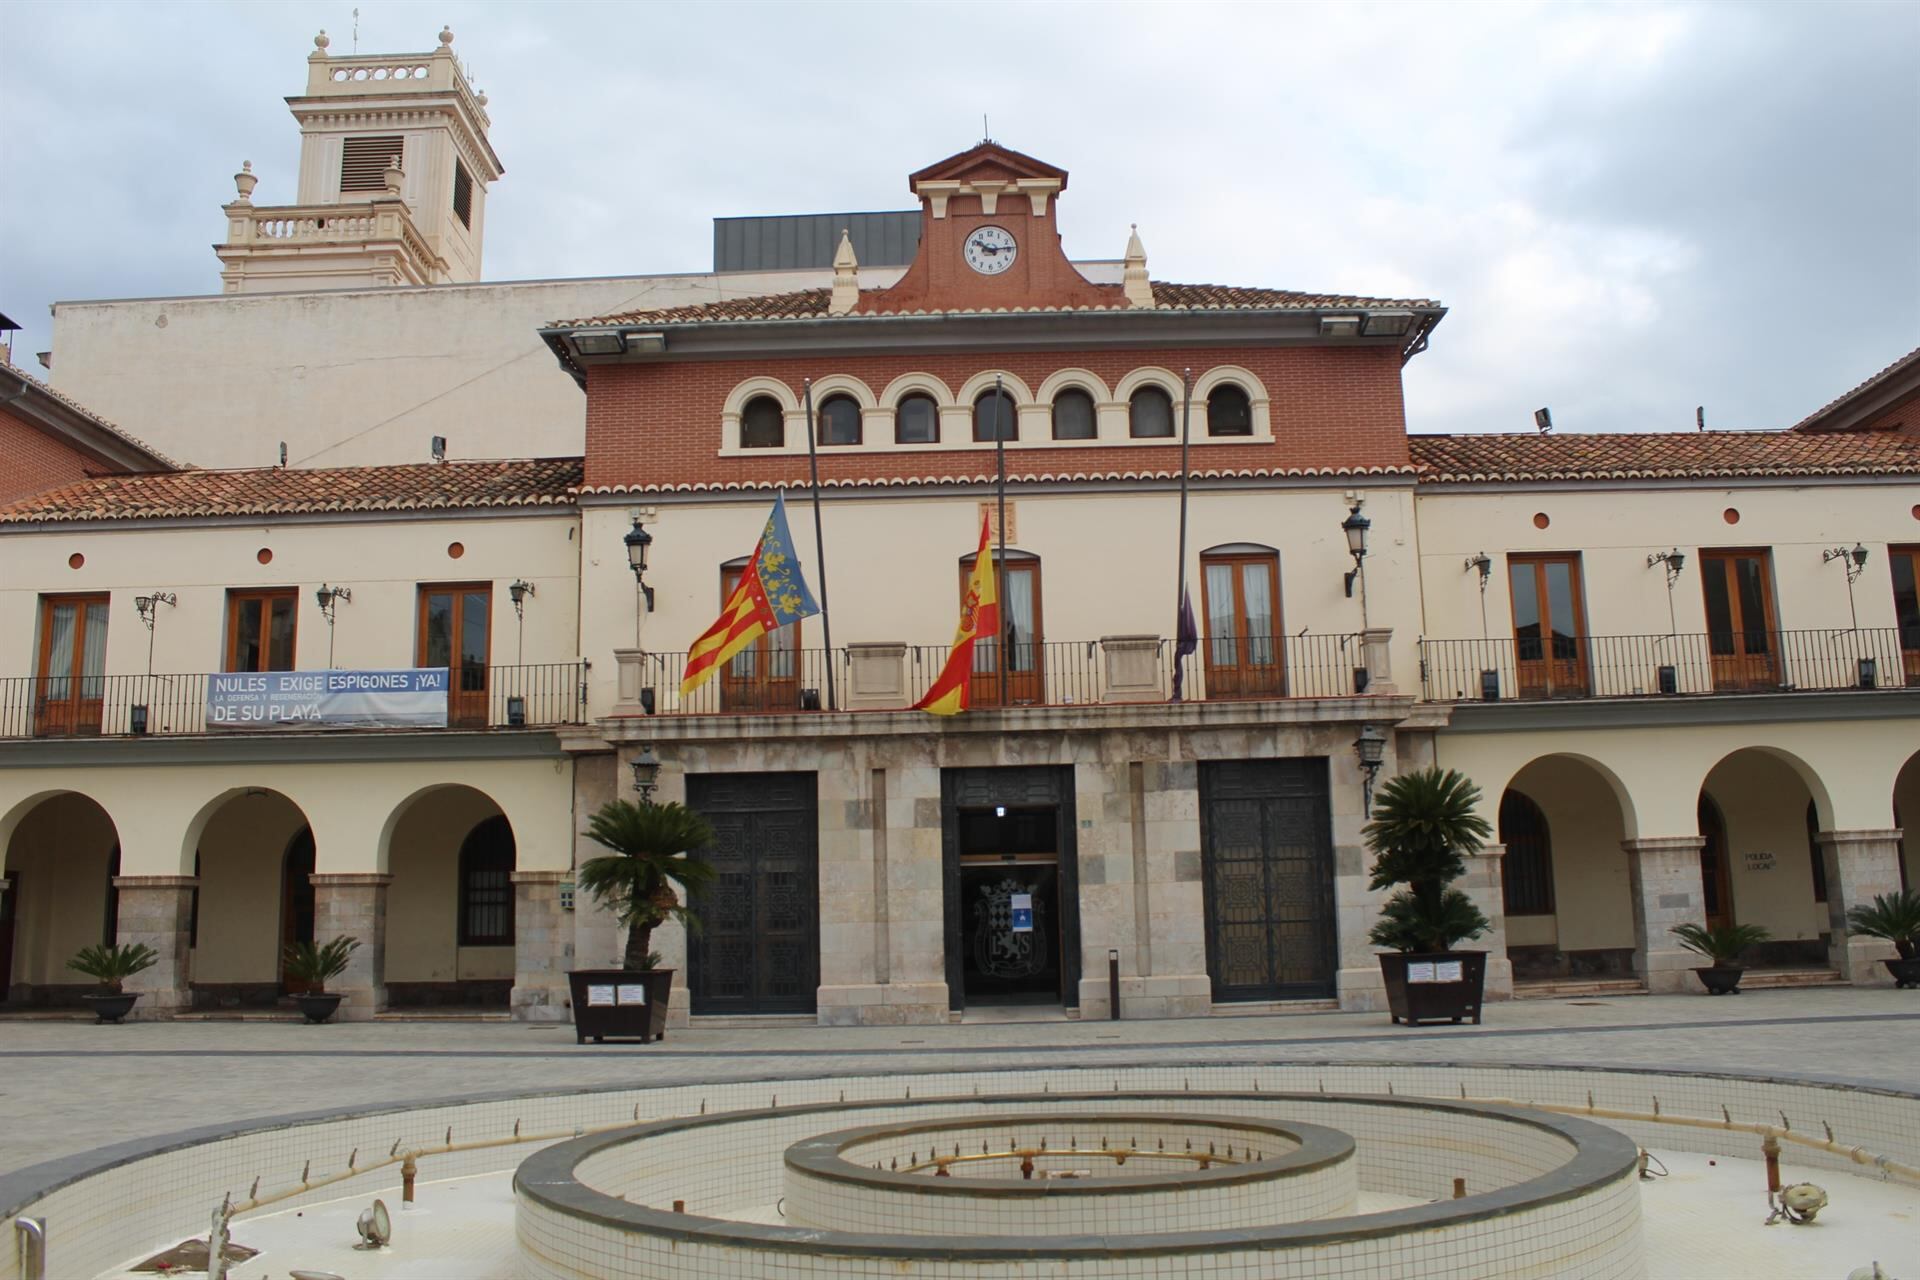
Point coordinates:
[[1012, 902], [758, 950], [1266, 838]]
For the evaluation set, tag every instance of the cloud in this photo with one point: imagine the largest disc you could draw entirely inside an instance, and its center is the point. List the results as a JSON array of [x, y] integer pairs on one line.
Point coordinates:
[[1630, 208]]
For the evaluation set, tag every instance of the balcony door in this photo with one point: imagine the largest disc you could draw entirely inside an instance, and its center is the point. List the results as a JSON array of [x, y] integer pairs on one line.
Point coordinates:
[[764, 676], [1906, 606], [456, 632], [260, 630], [1549, 637], [1241, 594], [1741, 629], [73, 664], [1019, 645]]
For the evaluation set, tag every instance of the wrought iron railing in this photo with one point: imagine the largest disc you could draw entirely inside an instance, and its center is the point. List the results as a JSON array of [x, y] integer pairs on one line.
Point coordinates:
[[535, 696], [1662, 665], [1036, 673]]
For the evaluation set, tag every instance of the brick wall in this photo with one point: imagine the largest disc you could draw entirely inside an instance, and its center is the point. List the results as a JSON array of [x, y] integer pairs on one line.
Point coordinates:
[[660, 424], [1903, 417], [32, 461]]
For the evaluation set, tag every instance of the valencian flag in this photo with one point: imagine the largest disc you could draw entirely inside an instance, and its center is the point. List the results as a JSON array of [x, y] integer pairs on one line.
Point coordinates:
[[770, 595], [979, 616]]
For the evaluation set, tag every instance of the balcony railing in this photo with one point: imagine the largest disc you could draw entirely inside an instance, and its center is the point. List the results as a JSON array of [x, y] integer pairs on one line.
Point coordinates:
[[1651, 666], [170, 705], [1038, 673]]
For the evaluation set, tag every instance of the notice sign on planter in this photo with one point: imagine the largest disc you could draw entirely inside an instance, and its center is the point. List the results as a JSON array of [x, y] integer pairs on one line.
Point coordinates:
[[410, 698], [1434, 971]]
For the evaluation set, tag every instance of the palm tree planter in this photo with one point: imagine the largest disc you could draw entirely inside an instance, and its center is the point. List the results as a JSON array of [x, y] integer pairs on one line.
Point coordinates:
[[1423, 826], [111, 966], [655, 847], [310, 967], [1895, 918], [1723, 946]]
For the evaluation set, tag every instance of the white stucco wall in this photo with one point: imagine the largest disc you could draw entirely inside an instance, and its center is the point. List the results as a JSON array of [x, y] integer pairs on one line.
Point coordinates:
[[360, 376]]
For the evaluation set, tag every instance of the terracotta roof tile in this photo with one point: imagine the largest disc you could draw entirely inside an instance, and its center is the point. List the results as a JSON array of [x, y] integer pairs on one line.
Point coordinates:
[[1466, 459], [811, 304], [423, 486], [1013, 481], [1909, 361]]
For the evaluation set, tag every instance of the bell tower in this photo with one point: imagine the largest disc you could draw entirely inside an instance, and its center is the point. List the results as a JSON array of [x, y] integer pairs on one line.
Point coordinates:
[[392, 188]]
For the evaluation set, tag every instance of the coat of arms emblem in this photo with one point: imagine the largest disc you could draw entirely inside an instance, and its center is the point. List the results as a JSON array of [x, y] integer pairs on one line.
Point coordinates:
[[998, 951]]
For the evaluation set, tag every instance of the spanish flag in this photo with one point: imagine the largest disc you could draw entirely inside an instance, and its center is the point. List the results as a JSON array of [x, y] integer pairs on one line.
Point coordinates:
[[979, 616], [771, 594]]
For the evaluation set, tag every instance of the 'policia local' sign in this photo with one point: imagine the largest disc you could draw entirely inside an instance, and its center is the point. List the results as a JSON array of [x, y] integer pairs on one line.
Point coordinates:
[[414, 698]]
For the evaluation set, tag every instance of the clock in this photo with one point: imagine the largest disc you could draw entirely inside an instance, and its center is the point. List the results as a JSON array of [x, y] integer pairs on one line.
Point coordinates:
[[991, 250]]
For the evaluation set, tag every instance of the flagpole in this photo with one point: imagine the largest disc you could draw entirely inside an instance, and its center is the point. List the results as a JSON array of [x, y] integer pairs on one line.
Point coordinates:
[[1186, 435], [1000, 537], [820, 547]]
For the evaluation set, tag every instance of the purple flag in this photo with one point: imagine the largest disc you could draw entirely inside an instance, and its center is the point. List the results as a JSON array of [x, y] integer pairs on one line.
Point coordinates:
[[1184, 643]]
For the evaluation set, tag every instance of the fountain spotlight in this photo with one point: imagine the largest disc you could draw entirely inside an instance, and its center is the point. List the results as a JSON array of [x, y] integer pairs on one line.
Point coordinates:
[[374, 1226]]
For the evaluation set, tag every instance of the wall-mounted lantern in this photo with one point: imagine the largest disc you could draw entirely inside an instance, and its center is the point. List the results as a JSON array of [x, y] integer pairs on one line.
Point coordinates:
[[1355, 526], [1371, 747], [639, 542], [646, 772], [329, 598], [520, 590], [146, 605]]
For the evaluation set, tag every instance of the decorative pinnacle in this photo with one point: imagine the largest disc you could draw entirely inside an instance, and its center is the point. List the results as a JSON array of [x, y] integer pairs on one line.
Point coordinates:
[[320, 41], [446, 37]]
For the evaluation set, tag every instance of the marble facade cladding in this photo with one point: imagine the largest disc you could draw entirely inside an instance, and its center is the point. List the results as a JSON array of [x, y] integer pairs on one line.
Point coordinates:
[[1136, 795]]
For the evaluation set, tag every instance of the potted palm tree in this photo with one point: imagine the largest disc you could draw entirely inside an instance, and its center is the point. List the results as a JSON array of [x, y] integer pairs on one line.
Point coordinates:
[[654, 847], [1424, 826], [310, 966], [1723, 945], [1894, 917], [111, 966]]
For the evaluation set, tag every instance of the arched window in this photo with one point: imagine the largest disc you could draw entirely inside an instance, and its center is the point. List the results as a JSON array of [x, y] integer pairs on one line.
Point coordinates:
[[1229, 412], [995, 410], [486, 885], [917, 420], [1073, 415], [1150, 414], [763, 424], [840, 420], [1528, 868]]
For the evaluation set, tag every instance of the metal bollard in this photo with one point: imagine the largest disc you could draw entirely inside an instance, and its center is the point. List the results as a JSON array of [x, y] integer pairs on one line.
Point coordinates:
[[1113, 985], [30, 1236]]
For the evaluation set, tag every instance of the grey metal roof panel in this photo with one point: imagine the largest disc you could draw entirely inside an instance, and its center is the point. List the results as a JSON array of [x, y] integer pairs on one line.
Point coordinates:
[[801, 241]]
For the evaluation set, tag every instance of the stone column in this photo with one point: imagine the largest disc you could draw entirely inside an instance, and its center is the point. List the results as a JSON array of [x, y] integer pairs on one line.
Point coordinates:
[[1860, 865], [1663, 876], [1179, 986], [156, 911], [1485, 883], [848, 900], [354, 904], [915, 992], [542, 947]]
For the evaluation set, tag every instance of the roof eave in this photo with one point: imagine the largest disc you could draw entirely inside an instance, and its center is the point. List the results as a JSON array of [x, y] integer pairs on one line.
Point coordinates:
[[74, 427], [986, 331]]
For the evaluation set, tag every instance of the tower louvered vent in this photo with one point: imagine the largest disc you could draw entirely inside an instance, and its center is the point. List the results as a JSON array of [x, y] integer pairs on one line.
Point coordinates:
[[363, 161]]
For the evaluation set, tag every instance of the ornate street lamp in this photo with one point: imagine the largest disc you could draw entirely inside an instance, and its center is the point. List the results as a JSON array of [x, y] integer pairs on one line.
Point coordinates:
[[646, 772], [1355, 526], [639, 541], [1371, 747]]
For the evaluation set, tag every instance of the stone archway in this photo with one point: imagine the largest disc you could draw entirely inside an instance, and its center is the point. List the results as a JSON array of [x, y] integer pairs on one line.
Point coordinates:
[[1567, 891], [450, 935], [57, 866], [1758, 866], [252, 848], [1906, 816]]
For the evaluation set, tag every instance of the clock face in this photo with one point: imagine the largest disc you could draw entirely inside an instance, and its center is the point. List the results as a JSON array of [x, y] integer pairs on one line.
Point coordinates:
[[991, 250]]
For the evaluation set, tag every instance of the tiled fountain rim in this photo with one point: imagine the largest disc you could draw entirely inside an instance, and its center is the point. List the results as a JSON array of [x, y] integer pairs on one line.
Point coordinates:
[[1319, 1147], [21, 1188], [1600, 1156]]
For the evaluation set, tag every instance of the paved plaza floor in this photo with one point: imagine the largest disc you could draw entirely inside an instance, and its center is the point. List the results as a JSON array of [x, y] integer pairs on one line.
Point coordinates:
[[68, 1087]]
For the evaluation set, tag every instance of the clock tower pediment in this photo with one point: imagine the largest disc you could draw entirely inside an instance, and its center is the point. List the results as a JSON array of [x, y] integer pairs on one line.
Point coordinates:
[[989, 239]]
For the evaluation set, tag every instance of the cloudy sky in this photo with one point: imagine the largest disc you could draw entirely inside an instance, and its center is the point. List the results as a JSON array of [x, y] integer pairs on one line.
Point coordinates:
[[1630, 208]]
